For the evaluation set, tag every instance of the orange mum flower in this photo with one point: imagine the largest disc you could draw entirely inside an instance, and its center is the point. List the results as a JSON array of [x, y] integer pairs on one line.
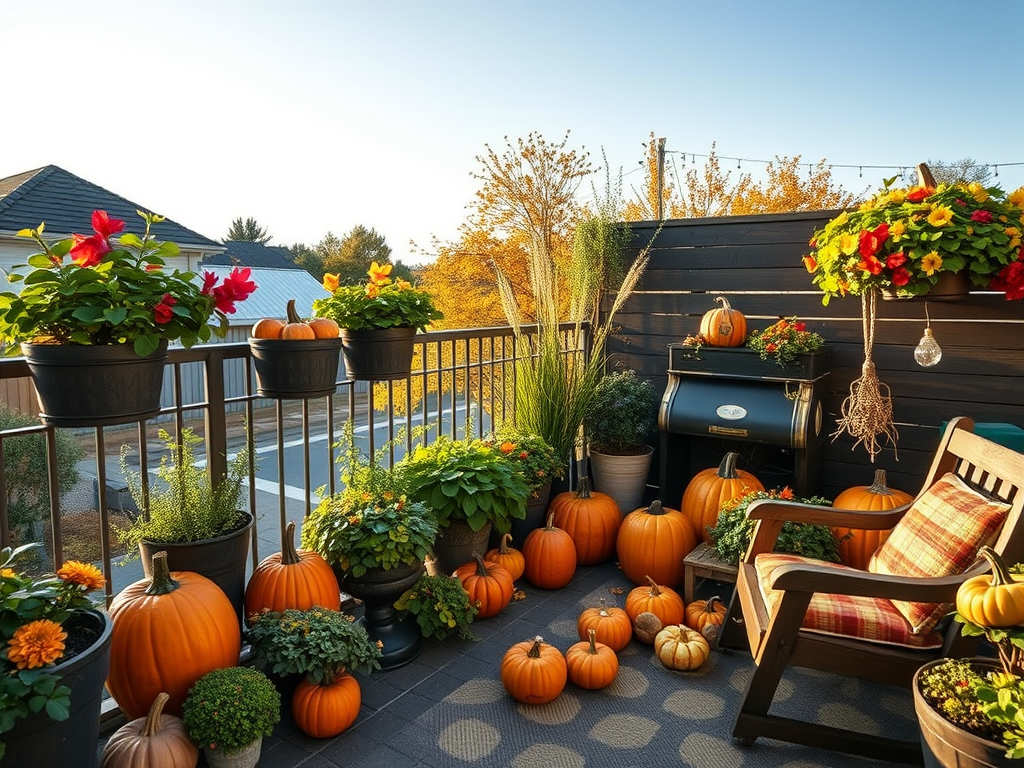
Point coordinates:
[[84, 574], [36, 644], [379, 272], [331, 282], [507, 447]]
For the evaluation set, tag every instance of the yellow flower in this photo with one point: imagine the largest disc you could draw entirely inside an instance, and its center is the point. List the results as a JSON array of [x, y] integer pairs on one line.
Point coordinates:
[[1011, 232], [84, 574], [898, 196], [931, 263], [7, 573], [372, 290], [403, 285], [848, 244], [897, 229], [1017, 197], [36, 644], [940, 216], [379, 273], [331, 282], [979, 192]]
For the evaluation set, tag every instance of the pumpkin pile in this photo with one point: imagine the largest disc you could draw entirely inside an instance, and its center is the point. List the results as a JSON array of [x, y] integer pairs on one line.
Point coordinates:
[[293, 327]]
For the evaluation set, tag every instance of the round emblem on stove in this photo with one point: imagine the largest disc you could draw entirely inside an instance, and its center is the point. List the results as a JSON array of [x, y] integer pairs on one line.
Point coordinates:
[[731, 412]]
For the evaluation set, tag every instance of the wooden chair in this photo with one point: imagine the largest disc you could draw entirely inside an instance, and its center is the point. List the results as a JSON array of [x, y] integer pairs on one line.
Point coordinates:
[[775, 637]]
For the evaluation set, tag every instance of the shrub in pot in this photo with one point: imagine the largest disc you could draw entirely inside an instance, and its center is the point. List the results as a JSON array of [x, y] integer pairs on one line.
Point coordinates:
[[533, 458]]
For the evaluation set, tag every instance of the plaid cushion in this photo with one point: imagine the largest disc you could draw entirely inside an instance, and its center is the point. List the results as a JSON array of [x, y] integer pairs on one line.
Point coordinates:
[[867, 618], [939, 535]]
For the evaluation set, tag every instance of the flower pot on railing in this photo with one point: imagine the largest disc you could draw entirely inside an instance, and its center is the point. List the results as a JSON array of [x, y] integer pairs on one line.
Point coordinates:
[[95, 385], [951, 286], [380, 354], [287, 369]]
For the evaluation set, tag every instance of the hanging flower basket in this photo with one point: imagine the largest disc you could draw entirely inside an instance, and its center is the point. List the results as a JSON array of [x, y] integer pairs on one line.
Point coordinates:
[[287, 369]]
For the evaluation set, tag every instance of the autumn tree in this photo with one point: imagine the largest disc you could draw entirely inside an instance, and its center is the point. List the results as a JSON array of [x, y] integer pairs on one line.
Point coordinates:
[[789, 188], [248, 230], [348, 257]]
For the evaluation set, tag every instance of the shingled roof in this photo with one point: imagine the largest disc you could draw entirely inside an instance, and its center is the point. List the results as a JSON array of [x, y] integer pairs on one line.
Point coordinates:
[[66, 202], [245, 253]]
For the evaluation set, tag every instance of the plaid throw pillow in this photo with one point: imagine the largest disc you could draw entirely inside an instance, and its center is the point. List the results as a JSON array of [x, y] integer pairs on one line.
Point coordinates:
[[939, 535]]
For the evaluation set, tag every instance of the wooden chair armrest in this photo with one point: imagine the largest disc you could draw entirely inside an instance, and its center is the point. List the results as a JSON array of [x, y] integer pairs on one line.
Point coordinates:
[[805, 577], [797, 512]]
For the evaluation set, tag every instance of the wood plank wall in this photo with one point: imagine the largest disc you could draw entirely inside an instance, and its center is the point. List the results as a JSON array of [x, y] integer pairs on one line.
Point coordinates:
[[755, 262]]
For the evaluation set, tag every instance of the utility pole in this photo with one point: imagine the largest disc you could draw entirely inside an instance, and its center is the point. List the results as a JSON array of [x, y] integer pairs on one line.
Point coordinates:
[[661, 179]]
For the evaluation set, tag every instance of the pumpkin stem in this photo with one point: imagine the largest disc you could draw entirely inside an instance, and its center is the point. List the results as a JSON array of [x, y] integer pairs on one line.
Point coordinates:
[[655, 589], [534, 652], [709, 606], [551, 522], [583, 488], [152, 724], [879, 487], [292, 313], [723, 301], [161, 583], [592, 635], [506, 539], [727, 468], [481, 566], [289, 555], [1000, 571], [656, 508]]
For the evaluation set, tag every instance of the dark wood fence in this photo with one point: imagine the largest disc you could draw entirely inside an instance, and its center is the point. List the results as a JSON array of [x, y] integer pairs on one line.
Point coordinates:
[[755, 262]]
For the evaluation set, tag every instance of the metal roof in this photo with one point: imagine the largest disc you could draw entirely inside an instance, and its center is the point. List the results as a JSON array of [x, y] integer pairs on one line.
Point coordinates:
[[274, 287]]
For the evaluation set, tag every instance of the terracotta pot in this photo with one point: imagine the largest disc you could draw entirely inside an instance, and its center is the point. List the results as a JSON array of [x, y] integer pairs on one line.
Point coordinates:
[[246, 757]]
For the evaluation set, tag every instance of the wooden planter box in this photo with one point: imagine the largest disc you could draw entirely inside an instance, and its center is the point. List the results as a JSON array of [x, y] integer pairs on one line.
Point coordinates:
[[741, 362]]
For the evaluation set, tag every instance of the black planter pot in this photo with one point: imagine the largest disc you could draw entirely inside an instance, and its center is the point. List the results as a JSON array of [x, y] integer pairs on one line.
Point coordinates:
[[951, 286], [222, 560], [93, 386], [536, 516], [295, 370], [38, 740], [378, 355], [379, 589], [948, 746]]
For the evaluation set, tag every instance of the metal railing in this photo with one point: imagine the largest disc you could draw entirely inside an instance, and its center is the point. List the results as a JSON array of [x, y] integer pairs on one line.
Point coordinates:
[[462, 384]]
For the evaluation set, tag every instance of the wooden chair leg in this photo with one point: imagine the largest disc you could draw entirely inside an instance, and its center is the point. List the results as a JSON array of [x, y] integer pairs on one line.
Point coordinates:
[[733, 634]]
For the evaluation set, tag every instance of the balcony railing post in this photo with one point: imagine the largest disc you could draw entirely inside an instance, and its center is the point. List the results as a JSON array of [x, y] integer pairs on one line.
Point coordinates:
[[216, 418]]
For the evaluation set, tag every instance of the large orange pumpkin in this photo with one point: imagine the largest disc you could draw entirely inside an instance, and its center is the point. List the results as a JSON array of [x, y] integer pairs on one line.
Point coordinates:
[[590, 664], [489, 586], [291, 578], [168, 632], [550, 556], [504, 554], [591, 518], [856, 546], [711, 488], [533, 672], [612, 625], [725, 327], [653, 542], [663, 602], [323, 711]]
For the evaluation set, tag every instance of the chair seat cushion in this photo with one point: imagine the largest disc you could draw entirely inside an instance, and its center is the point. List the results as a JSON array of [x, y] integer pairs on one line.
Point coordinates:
[[940, 535], [867, 618]]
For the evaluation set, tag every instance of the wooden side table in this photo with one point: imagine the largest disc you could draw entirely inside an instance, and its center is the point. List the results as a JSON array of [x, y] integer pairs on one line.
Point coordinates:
[[702, 564]]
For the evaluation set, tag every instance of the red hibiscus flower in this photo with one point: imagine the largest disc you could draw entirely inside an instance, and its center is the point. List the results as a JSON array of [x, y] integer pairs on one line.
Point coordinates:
[[982, 216], [900, 276], [236, 287], [89, 251], [1011, 280], [896, 260], [872, 265], [209, 280], [872, 240], [162, 312], [104, 226], [917, 194]]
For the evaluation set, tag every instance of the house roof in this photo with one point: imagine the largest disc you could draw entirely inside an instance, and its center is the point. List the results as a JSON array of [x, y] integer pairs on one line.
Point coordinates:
[[65, 202], [274, 287], [249, 254]]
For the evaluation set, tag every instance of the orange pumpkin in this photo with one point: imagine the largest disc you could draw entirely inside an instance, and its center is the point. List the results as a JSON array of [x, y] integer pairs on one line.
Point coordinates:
[[856, 546], [725, 327], [550, 556], [168, 632], [711, 488], [701, 614], [323, 711], [533, 672], [663, 602], [291, 578], [324, 328], [267, 328], [505, 555], [612, 625], [489, 586], [295, 328], [590, 664], [652, 542], [157, 740], [591, 518]]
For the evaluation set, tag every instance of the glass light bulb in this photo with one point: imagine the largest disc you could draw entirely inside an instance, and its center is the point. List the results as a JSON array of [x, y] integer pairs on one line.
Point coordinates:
[[928, 351]]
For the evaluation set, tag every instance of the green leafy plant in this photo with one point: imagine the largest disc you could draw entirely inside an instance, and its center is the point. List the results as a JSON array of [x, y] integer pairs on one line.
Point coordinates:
[[731, 536], [904, 239], [371, 523], [316, 643], [112, 292], [379, 303], [466, 480], [530, 455], [785, 341], [622, 415], [228, 709], [36, 618], [184, 504], [441, 607]]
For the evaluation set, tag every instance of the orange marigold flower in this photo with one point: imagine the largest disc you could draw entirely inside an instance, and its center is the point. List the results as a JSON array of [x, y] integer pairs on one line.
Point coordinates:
[[507, 447], [36, 644], [786, 493], [379, 272], [372, 290], [83, 574]]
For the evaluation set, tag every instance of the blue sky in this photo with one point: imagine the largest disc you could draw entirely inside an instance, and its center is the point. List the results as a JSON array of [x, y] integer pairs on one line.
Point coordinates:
[[317, 115]]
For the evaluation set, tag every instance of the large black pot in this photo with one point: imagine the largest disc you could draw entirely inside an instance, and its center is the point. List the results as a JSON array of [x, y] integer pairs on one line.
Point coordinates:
[[378, 355], [93, 386], [297, 370], [38, 740], [222, 560], [947, 746], [379, 589], [455, 544]]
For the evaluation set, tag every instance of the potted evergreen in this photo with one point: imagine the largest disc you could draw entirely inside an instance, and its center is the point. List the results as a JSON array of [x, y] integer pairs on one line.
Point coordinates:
[[620, 421], [470, 488], [198, 522], [228, 712]]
